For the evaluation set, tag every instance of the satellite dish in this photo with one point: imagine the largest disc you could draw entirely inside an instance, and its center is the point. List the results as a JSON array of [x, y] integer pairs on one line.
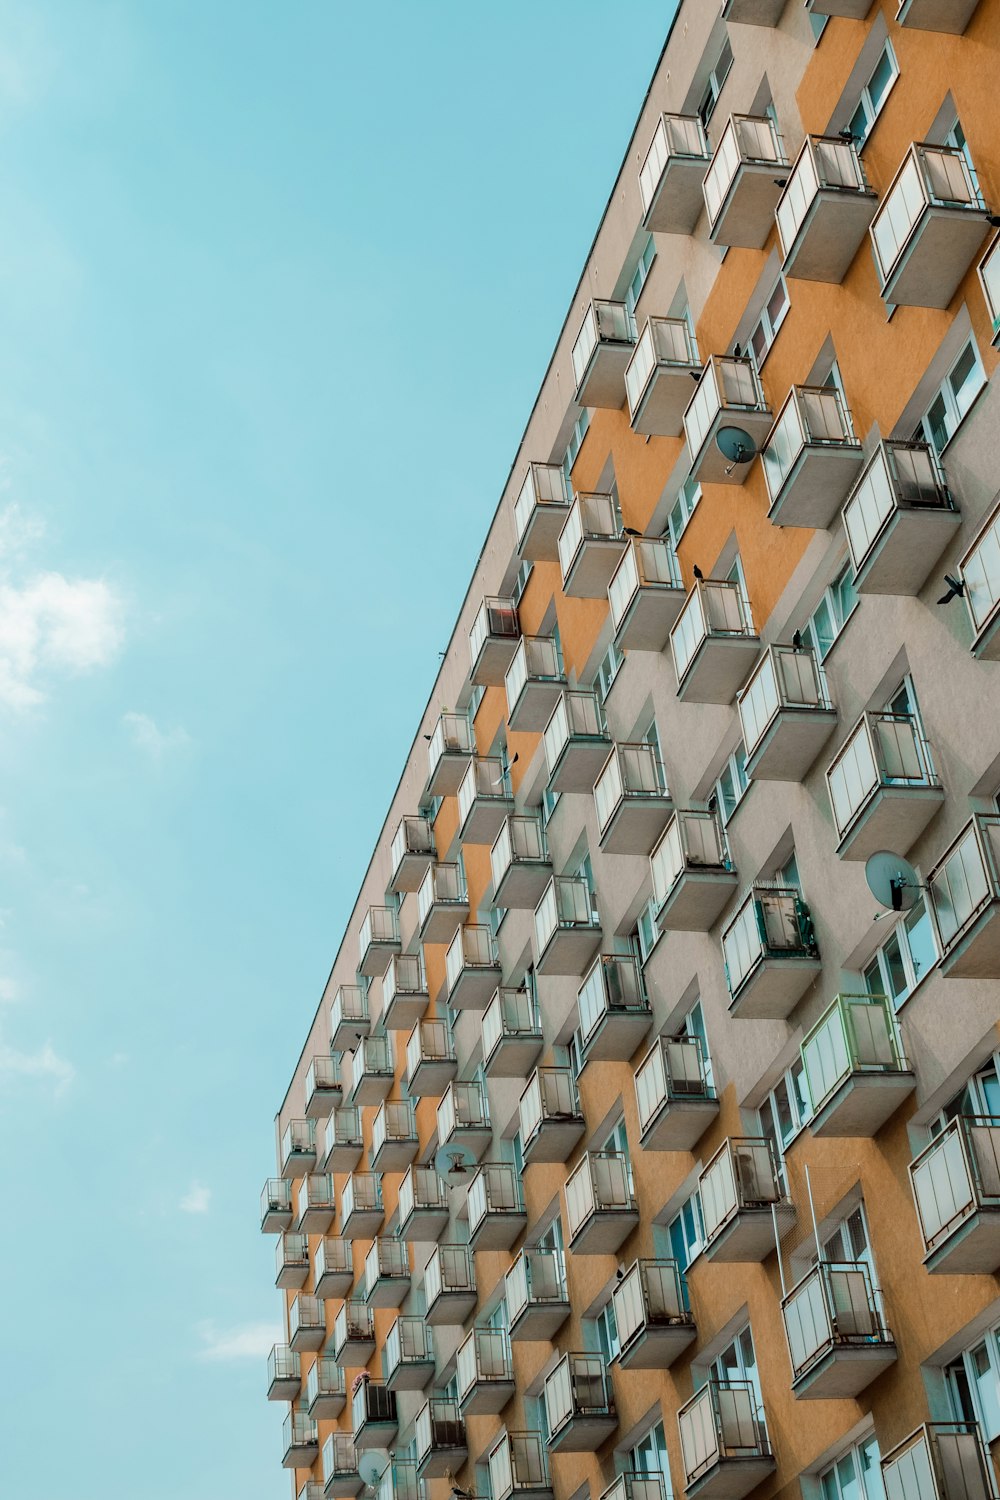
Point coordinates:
[[892, 880], [736, 445], [455, 1163], [372, 1464]]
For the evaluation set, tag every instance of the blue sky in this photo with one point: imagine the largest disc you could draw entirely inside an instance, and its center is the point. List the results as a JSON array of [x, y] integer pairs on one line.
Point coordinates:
[[278, 283]]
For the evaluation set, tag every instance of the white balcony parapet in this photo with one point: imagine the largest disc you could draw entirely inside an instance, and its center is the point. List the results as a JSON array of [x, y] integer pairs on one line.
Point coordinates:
[[729, 394], [404, 992], [361, 1207], [940, 1461], [645, 593], [567, 927], [536, 1294], [601, 353], [714, 641], [601, 1210], [519, 862], [284, 1373], [307, 1322], [614, 1008], [408, 1356], [423, 1205], [512, 1034], [463, 1117], [326, 1392], [770, 954], [343, 1144], [724, 1443], [333, 1268], [811, 457], [632, 800], [692, 871], [827, 205], [855, 1070], [341, 1479], [374, 1417], [676, 1101], [439, 1436], [590, 544], [349, 1017], [450, 1291], [551, 1119], [369, 1073], [785, 713], [576, 741], [964, 889], [291, 1256], [837, 1339], [929, 227], [298, 1148], [378, 939], [654, 1321], [883, 786], [956, 1189], [451, 747], [394, 1136], [533, 682], [485, 798], [980, 571], [411, 851], [442, 902], [496, 1207], [472, 970], [493, 639], [276, 1205], [741, 191], [658, 376], [519, 1467], [739, 1189], [431, 1061], [899, 518], [324, 1088], [387, 1272], [317, 1203], [300, 1441], [540, 509], [484, 1372], [579, 1403], [672, 173]]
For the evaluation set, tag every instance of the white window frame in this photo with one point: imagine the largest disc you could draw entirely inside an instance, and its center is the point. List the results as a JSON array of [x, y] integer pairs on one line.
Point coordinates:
[[684, 506], [955, 404], [691, 1235], [608, 668], [833, 603], [647, 932], [794, 1087], [694, 1026], [988, 1418], [653, 1444], [732, 784], [872, 107], [715, 82], [876, 975], [764, 332], [637, 281], [576, 437], [865, 1478]]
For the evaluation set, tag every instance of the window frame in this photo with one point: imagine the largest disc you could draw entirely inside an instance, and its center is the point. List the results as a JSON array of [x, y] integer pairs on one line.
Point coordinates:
[[768, 324], [715, 82], [865, 100], [685, 503], [833, 602], [953, 411]]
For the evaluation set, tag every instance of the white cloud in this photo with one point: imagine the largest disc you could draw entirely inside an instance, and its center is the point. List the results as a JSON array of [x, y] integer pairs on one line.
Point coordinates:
[[54, 625], [196, 1200], [45, 1063], [151, 739], [17, 531], [245, 1341]]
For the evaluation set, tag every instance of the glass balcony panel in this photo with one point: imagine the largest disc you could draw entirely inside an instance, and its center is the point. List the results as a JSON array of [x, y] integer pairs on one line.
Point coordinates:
[[940, 1461], [956, 1188], [512, 1033], [496, 1207], [929, 226], [299, 1440], [721, 1423], [740, 1176], [340, 1466], [964, 889], [785, 713], [275, 1205], [883, 750], [715, 611], [291, 1254], [672, 173], [298, 1148], [539, 512], [492, 639], [518, 1465], [536, 1294], [741, 192], [855, 1041], [284, 1373], [601, 352]]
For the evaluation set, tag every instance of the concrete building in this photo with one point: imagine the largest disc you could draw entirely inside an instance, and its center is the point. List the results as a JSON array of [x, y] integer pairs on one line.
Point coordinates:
[[636, 1149]]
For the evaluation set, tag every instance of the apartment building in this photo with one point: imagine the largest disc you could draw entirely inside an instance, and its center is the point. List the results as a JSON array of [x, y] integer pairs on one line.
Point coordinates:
[[646, 1140]]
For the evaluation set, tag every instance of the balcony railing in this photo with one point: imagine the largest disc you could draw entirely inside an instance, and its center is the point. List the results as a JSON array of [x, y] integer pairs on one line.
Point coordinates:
[[964, 889], [632, 799], [579, 1403], [496, 1207], [940, 1461], [519, 1467], [451, 745], [590, 545], [378, 939], [536, 1294], [721, 1428], [387, 1272], [299, 1441], [675, 1099], [567, 928], [399, 1481], [601, 352], [423, 1204], [672, 173], [361, 1206], [317, 1202], [641, 1486], [855, 1070], [645, 593], [657, 380], [739, 1189], [371, 1069], [326, 1393], [323, 1086], [956, 1188], [284, 1373], [411, 851], [354, 1333], [340, 1467], [519, 862], [826, 206], [394, 1135], [484, 799], [404, 992], [811, 458], [550, 1115], [929, 226], [785, 713], [298, 1148], [291, 1257], [408, 1356], [484, 1372], [442, 902], [472, 970], [652, 1315], [342, 1141], [492, 641], [349, 1017], [539, 512], [899, 518], [770, 953], [885, 753], [837, 1338], [533, 682], [450, 1284], [713, 641], [729, 393], [512, 1033], [463, 1117], [614, 1009], [600, 1205], [439, 1434], [373, 1414], [576, 741], [333, 1267], [306, 1322], [275, 1205], [692, 873], [431, 1061], [742, 183]]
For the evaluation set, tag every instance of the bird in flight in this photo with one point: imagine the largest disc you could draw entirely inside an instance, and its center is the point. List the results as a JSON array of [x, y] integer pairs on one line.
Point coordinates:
[[956, 589]]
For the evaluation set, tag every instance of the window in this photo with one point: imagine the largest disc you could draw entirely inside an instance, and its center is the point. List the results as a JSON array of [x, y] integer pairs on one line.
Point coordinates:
[[788, 875], [521, 582], [687, 1233], [611, 664], [783, 1114], [738, 1361], [713, 85], [765, 330], [517, 1152], [831, 614], [980, 1096], [856, 1475], [874, 95], [649, 1456], [605, 1331], [732, 783], [550, 801], [646, 931], [953, 401], [638, 281], [618, 1141], [574, 445], [552, 1239], [478, 694], [683, 509], [974, 1384], [907, 955], [694, 1025], [850, 1241], [499, 1318]]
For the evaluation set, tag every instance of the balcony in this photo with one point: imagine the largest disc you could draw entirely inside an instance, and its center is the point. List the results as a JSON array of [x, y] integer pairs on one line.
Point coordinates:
[[399, 1482], [724, 1445], [291, 1256], [883, 788], [484, 1372], [614, 1009], [334, 1268], [965, 894], [431, 1063], [672, 174], [275, 1206], [423, 1206], [361, 1206], [576, 741], [404, 993], [854, 10], [373, 1415], [326, 1395], [929, 227], [812, 458], [536, 1296], [442, 903], [343, 1146], [951, 16], [940, 1461], [311, 1490], [827, 205], [753, 12], [552, 1123], [298, 1148], [540, 511], [693, 875], [371, 1070], [472, 970], [579, 1404], [658, 377], [349, 1017], [512, 1034], [450, 1286], [284, 1374], [729, 394], [899, 519], [837, 1339], [520, 864], [354, 1334], [408, 1357], [956, 1189], [601, 354], [463, 1119], [496, 1207], [713, 642], [411, 852], [980, 569], [300, 1442], [451, 747], [493, 640], [306, 1323], [394, 1136], [378, 940], [387, 1273], [739, 1188], [341, 1480], [317, 1203], [676, 1101], [485, 798], [567, 929], [856, 1073], [645, 594], [770, 954], [785, 713], [323, 1086], [652, 1316], [590, 544], [441, 1444], [631, 797], [641, 1486], [743, 183], [519, 1467], [600, 1205], [534, 681]]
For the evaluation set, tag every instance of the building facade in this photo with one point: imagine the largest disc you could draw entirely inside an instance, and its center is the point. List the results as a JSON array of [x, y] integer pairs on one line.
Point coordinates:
[[646, 1141]]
